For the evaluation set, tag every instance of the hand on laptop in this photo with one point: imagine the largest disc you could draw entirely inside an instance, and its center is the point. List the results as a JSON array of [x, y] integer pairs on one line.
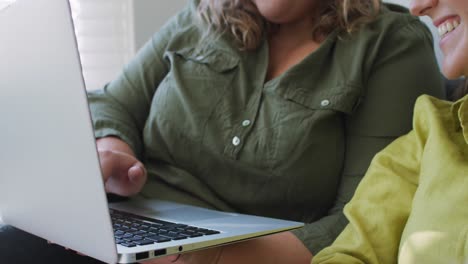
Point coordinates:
[[123, 173]]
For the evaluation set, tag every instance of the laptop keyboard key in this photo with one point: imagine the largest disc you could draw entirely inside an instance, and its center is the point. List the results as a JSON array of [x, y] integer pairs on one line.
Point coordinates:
[[158, 239], [179, 237], [209, 232], [132, 230], [195, 235], [127, 244], [144, 242]]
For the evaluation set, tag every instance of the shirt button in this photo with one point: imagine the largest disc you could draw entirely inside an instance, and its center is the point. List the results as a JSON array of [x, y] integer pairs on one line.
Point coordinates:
[[236, 141], [325, 102], [246, 123]]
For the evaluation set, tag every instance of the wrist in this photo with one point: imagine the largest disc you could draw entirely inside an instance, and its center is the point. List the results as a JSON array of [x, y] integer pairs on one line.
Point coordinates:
[[114, 143]]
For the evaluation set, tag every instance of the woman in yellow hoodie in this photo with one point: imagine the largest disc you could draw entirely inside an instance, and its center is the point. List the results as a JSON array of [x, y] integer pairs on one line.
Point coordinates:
[[412, 205]]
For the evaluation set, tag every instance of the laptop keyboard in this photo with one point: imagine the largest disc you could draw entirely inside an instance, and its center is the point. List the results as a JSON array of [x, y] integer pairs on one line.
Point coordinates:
[[133, 230]]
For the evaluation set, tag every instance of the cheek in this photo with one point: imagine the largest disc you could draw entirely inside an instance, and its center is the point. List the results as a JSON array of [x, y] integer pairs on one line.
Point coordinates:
[[455, 61]]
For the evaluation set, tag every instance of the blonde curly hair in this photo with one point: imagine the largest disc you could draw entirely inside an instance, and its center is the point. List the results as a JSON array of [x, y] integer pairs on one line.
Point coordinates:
[[241, 19]]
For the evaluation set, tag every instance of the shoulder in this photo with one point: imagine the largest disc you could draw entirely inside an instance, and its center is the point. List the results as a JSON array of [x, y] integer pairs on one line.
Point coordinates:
[[427, 105], [394, 18], [393, 26], [427, 101], [185, 31], [430, 111], [187, 17], [182, 28], [394, 39]]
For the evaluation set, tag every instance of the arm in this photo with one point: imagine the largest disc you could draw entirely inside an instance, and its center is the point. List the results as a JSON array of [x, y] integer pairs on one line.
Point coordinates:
[[404, 68], [380, 208], [122, 107], [120, 110]]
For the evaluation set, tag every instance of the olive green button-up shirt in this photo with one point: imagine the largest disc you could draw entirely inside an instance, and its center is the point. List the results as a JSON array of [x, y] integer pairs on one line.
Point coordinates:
[[411, 207], [213, 133]]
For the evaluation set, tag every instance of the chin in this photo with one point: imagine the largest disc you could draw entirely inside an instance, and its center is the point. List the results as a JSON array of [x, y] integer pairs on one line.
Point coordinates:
[[454, 69], [450, 74]]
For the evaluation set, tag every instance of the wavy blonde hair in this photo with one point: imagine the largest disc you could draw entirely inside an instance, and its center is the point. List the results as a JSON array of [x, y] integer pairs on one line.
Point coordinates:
[[241, 19]]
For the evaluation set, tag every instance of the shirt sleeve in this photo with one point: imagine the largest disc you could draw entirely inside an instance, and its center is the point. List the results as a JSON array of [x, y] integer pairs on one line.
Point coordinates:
[[405, 67], [122, 107], [380, 208]]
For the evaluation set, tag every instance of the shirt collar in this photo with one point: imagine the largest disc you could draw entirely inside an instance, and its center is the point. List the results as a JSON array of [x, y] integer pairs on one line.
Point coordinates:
[[460, 112]]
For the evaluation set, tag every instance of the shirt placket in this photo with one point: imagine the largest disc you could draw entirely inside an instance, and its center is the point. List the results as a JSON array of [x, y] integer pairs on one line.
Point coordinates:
[[243, 126], [246, 121]]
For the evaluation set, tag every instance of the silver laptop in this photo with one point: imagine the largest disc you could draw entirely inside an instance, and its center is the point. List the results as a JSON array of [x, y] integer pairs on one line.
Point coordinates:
[[50, 178]]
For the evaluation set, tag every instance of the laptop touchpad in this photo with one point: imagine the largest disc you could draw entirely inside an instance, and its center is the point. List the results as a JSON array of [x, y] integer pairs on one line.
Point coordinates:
[[189, 214], [170, 211]]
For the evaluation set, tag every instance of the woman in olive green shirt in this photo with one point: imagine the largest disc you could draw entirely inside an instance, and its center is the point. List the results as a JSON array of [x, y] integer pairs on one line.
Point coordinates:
[[271, 108]]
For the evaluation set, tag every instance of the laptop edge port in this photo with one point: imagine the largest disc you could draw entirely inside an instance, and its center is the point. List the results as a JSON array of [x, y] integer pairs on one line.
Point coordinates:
[[142, 255], [160, 252]]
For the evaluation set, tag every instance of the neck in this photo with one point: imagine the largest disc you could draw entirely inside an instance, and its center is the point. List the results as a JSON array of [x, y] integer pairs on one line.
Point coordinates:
[[289, 44], [296, 29], [293, 34]]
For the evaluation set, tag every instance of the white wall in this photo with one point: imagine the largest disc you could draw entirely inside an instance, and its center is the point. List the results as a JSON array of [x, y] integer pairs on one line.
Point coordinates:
[[104, 30], [150, 15], [5, 3]]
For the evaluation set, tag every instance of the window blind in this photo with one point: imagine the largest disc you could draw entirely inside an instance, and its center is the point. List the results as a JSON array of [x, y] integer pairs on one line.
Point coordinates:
[[104, 30]]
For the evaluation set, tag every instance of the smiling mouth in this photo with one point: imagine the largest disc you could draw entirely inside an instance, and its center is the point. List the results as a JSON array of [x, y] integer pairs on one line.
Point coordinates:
[[448, 26]]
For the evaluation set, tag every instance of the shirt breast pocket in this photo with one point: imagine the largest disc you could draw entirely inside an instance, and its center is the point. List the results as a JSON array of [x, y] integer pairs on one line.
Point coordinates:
[[197, 79], [339, 99], [188, 95], [202, 63], [318, 122]]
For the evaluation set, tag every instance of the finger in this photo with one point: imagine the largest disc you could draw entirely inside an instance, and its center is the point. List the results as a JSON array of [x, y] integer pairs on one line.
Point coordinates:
[[106, 158], [136, 174], [116, 165], [124, 174]]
